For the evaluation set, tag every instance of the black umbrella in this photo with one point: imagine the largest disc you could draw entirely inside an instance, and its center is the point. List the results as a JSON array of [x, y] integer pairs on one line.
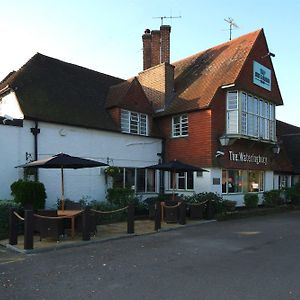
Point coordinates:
[[63, 161], [176, 166]]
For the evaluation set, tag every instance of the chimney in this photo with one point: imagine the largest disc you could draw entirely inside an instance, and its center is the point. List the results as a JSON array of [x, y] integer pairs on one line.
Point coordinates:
[[146, 49], [155, 47], [165, 43]]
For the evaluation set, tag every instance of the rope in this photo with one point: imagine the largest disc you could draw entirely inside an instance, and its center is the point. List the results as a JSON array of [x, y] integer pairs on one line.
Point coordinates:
[[48, 217], [109, 212], [18, 216], [171, 206], [200, 203]]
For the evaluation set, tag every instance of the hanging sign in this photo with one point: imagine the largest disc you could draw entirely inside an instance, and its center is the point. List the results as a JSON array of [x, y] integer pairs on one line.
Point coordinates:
[[261, 76]]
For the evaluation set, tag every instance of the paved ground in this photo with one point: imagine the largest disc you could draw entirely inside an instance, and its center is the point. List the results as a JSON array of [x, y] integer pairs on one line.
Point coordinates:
[[257, 258]]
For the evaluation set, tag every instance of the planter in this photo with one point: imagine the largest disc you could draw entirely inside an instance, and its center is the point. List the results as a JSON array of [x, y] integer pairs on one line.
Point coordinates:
[[196, 211]]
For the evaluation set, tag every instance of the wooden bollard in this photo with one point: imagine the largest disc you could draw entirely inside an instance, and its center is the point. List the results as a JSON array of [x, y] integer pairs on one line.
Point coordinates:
[[13, 227], [86, 215], [130, 218], [157, 216], [182, 213], [28, 229]]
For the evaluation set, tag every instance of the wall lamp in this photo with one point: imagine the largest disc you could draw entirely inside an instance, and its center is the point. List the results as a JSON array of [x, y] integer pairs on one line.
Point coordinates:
[[276, 149], [268, 54], [224, 140]]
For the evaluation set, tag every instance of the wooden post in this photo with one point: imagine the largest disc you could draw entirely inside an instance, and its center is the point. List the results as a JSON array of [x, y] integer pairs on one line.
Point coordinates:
[[86, 235], [28, 229], [130, 218], [13, 228], [182, 213], [157, 216], [209, 210]]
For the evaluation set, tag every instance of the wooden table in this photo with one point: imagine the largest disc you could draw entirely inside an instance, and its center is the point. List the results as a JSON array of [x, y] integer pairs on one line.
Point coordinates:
[[70, 214]]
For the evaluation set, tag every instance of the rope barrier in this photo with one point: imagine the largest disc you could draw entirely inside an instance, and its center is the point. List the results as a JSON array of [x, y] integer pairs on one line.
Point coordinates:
[[171, 206], [200, 203], [109, 212], [49, 217], [18, 216]]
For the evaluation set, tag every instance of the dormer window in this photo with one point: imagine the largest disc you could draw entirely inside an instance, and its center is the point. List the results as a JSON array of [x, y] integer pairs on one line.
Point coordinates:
[[134, 122], [250, 116], [180, 126]]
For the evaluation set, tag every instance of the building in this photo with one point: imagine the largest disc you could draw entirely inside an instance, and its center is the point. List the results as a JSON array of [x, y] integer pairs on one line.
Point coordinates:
[[215, 109]]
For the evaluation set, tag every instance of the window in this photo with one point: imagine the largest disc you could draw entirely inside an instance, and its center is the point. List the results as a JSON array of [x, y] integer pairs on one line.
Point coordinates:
[[180, 125], [250, 116], [183, 181], [242, 181], [133, 122], [142, 180]]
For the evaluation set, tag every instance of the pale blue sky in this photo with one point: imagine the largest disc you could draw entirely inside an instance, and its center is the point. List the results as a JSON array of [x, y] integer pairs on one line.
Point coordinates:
[[106, 35]]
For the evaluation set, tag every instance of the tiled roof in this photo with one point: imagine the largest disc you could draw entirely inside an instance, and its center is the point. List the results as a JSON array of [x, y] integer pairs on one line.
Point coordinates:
[[55, 91], [198, 77]]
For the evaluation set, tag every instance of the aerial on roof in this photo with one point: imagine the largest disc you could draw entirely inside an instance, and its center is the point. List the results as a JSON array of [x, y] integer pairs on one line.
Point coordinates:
[[51, 90]]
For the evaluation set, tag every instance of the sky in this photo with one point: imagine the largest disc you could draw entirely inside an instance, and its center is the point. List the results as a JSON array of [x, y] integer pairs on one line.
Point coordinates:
[[106, 35]]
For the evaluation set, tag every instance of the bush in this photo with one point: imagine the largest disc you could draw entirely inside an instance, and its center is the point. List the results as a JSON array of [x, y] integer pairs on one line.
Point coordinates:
[[5, 206], [272, 198], [251, 200], [293, 194], [229, 205], [120, 197], [29, 193]]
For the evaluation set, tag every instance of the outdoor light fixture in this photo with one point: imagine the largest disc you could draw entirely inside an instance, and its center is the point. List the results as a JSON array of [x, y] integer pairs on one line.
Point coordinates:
[[224, 140], [276, 149], [268, 54]]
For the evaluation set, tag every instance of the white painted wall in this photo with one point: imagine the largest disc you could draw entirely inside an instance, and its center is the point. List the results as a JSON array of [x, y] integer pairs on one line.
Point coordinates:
[[121, 150]]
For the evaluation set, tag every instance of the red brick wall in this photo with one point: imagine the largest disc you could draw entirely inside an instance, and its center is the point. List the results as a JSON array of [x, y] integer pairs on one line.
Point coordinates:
[[115, 113], [196, 147]]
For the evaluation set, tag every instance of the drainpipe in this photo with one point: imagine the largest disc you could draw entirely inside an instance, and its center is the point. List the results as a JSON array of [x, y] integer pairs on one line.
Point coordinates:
[[162, 173], [35, 131]]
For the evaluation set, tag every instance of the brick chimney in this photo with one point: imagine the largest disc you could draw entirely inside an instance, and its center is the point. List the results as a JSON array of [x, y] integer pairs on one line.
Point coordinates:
[[156, 46], [165, 43], [146, 49]]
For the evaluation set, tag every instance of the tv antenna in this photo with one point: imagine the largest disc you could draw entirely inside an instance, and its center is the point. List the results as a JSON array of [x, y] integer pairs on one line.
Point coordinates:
[[164, 17], [232, 25]]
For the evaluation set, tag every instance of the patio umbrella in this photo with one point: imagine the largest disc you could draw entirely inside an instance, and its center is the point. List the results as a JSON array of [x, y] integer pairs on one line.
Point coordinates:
[[63, 161], [176, 166]]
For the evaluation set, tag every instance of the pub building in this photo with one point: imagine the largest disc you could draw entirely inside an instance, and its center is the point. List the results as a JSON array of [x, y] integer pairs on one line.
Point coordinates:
[[218, 111]]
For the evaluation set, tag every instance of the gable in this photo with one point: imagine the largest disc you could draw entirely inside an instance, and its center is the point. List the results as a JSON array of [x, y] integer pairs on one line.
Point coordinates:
[[258, 60]]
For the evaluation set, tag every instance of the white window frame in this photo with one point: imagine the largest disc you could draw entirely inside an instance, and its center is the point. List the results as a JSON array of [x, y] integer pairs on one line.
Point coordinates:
[[180, 128], [250, 116], [134, 122], [180, 176]]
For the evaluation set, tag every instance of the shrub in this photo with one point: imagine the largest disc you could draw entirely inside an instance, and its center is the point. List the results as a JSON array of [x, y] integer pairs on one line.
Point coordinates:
[[272, 198], [293, 194], [251, 200], [120, 197], [5, 206], [229, 205], [29, 193]]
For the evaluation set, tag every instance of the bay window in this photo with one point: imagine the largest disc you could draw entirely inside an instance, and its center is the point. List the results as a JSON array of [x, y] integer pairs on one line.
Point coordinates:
[[250, 116]]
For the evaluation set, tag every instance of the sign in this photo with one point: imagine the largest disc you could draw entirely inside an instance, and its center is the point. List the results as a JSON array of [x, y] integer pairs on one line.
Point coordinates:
[[248, 158], [261, 76]]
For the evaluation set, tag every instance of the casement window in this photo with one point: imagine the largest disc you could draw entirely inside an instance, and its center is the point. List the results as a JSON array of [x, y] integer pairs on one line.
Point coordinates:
[[180, 126], [141, 180], [133, 122], [242, 181], [183, 181], [250, 116]]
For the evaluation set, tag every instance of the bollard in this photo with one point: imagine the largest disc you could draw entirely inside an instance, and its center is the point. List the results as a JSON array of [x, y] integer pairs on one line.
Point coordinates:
[[209, 210], [28, 229], [182, 213], [86, 215], [157, 216], [130, 218], [13, 228]]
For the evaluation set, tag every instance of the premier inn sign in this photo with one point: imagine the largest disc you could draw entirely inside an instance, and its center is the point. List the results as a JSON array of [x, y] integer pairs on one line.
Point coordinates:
[[248, 158]]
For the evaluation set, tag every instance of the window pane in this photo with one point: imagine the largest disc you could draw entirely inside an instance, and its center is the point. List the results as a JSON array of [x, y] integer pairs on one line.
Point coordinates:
[[125, 121], [232, 121], [181, 181], [224, 181], [118, 180], [244, 102], [129, 177], [232, 100], [190, 180], [140, 180], [254, 181], [234, 181], [250, 104], [150, 180]]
